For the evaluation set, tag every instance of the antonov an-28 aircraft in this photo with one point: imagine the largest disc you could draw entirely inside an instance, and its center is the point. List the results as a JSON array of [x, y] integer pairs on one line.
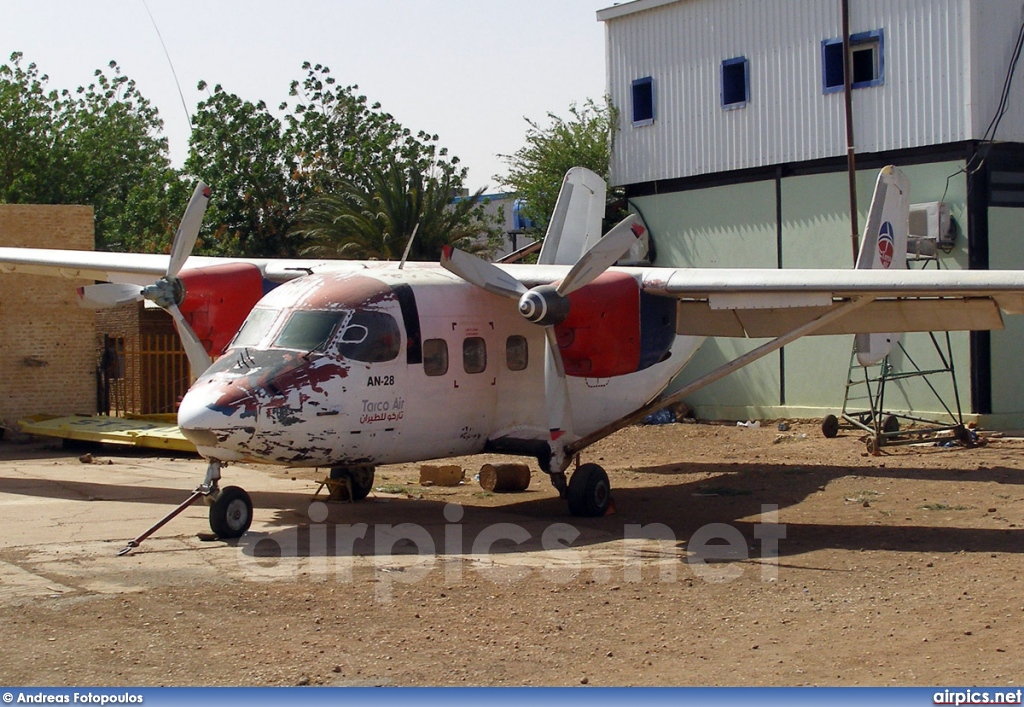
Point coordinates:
[[349, 365]]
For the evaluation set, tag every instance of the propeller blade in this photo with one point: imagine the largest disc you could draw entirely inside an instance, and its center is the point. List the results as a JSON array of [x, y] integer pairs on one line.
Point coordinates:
[[108, 294], [481, 273], [198, 359], [602, 255], [556, 389], [188, 230]]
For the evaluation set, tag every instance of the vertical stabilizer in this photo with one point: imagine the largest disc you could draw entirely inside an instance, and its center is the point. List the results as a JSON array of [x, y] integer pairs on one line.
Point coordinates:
[[576, 221], [884, 247]]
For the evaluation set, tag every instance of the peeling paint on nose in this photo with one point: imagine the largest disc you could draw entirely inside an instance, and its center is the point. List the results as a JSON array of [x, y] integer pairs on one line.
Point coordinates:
[[213, 417]]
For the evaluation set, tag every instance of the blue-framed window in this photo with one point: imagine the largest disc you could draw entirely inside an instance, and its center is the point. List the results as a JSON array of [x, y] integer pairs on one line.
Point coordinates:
[[867, 60], [643, 101], [735, 83]]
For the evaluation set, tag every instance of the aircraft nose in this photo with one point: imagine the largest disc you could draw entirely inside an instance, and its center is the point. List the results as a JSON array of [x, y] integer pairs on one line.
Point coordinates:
[[216, 417]]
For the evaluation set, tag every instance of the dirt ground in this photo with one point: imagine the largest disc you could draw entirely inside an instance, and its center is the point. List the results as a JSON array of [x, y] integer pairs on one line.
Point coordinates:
[[898, 569]]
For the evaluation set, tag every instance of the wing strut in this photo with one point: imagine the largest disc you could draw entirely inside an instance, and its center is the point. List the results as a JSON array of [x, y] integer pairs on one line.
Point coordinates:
[[775, 344]]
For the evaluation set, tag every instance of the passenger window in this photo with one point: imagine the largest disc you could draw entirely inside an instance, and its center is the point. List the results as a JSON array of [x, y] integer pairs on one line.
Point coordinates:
[[516, 353], [372, 337], [474, 355], [435, 357]]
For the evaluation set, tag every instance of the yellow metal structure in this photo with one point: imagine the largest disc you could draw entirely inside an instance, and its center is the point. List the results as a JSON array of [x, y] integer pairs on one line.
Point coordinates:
[[149, 431]]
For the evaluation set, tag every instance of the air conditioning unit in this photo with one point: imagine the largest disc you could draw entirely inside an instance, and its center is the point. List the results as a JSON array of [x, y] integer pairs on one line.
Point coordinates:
[[931, 229]]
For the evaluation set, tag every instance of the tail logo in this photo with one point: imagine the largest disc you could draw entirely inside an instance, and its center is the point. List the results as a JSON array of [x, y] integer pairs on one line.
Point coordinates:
[[886, 244]]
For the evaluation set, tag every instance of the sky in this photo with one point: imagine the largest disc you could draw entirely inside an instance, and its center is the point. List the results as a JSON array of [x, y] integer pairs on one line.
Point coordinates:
[[469, 71]]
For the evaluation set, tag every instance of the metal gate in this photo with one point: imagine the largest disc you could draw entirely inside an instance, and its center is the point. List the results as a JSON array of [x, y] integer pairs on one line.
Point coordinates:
[[144, 374]]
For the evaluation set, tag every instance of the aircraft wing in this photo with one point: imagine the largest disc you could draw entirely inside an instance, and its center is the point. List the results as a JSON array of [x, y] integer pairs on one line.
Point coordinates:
[[748, 302], [761, 303], [142, 268]]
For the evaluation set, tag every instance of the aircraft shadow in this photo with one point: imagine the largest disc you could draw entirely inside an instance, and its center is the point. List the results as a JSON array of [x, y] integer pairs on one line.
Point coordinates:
[[730, 494]]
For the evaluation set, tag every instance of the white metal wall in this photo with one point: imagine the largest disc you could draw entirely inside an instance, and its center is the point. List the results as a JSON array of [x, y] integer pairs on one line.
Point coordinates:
[[945, 61]]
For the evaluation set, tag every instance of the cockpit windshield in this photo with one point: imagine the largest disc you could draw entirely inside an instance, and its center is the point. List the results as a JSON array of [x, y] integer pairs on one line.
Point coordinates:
[[255, 328], [310, 330], [369, 336]]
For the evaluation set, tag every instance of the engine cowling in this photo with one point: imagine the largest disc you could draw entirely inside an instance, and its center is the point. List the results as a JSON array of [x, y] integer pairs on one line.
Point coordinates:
[[217, 299], [614, 329]]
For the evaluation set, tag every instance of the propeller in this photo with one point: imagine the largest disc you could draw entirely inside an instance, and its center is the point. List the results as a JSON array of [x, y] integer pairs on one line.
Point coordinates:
[[169, 291], [548, 306], [108, 295]]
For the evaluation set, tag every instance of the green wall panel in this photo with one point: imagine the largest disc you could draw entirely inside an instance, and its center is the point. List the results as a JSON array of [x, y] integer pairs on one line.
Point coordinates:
[[1006, 251], [735, 226]]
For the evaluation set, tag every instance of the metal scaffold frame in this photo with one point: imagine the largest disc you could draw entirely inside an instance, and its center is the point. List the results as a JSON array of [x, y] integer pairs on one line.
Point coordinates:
[[883, 426]]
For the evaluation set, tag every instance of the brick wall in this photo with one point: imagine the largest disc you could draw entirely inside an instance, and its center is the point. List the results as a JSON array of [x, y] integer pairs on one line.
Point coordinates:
[[47, 342]]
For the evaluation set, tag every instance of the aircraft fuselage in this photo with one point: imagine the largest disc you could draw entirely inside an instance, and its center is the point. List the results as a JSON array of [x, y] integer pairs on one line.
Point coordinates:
[[372, 367]]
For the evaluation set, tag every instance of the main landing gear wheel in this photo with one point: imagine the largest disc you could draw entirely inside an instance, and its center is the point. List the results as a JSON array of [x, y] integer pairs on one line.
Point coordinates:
[[590, 492], [360, 481], [231, 513]]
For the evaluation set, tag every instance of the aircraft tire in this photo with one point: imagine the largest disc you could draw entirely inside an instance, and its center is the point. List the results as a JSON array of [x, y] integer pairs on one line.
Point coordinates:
[[360, 478], [231, 513], [590, 492]]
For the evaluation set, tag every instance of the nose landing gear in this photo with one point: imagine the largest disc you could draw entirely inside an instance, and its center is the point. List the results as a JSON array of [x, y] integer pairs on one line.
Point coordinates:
[[230, 509], [230, 512]]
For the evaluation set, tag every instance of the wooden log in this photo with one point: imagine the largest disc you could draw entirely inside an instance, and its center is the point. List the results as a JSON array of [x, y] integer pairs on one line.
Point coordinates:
[[441, 475], [505, 478]]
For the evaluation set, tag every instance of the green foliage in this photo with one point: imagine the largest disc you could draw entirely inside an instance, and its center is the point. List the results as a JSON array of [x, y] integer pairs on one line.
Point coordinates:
[[239, 148], [28, 149], [375, 217], [536, 170], [336, 136], [336, 176], [98, 146], [101, 145]]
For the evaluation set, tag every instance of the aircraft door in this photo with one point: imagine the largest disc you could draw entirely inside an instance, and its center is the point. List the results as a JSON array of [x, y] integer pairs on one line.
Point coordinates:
[[460, 366]]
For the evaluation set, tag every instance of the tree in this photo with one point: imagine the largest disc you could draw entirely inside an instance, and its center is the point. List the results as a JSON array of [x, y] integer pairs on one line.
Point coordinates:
[[337, 136], [99, 145], [28, 154], [374, 219], [238, 147], [334, 161], [536, 170]]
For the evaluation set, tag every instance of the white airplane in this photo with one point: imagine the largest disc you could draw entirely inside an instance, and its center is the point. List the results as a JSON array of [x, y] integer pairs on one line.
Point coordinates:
[[349, 365]]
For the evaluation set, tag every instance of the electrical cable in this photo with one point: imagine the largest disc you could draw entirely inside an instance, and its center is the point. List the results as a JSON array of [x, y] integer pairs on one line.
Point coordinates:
[[167, 54]]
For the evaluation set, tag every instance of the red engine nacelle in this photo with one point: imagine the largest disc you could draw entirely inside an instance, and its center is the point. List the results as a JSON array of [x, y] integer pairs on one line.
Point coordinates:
[[613, 328], [601, 336], [218, 299]]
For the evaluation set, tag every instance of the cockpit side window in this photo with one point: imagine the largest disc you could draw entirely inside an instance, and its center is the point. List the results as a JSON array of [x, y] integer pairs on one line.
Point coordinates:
[[371, 337], [255, 328], [309, 330]]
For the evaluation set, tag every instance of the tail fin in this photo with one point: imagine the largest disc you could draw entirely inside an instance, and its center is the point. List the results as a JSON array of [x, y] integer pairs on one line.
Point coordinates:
[[576, 222], [884, 246]]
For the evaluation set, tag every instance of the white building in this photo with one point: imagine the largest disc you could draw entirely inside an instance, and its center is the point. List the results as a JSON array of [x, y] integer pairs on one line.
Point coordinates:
[[732, 145]]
